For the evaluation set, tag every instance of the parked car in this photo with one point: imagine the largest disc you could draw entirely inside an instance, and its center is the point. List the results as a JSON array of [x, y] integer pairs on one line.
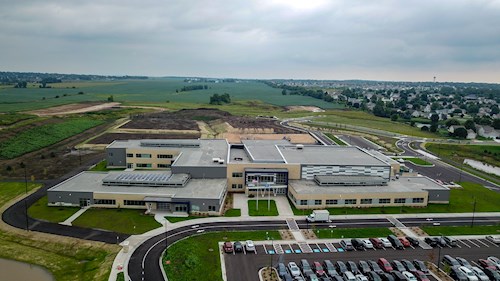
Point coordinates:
[[375, 267], [409, 276], [281, 269], [450, 261], [287, 277], [398, 276], [337, 278], [306, 268], [367, 243], [238, 247], [385, 265], [487, 264], [341, 267], [318, 269], [357, 244], [452, 242], [403, 241], [325, 278], [249, 246], [386, 242], [228, 247], [463, 262], [493, 239], [311, 277], [294, 269], [364, 267], [398, 266], [329, 268], [353, 267], [346, 245], [300, 278], [495, 261], [421, 276], [442, 242], [361, 277], [395, 242], [377, 243], [470, 275], [420, 265], [480, 274], [413, 241], [408, 265], [372, 276], [431, 241], [457, 275], [348, 276], [492, 274], [386, 276]]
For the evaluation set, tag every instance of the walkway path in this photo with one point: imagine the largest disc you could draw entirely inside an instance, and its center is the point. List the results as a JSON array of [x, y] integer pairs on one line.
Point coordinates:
[[69, 220], [240, 202]]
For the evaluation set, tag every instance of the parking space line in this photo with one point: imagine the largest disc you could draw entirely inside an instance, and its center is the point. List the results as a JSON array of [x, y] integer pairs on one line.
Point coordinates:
[[244, 251], [458, 245], [384, 249], [482, 243], [265, 250], [491, 243], [461, 241], [473, 243], [412, 247]]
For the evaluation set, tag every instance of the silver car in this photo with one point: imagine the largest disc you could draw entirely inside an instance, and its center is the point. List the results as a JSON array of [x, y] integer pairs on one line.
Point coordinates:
[[385, 242], [480, 274]]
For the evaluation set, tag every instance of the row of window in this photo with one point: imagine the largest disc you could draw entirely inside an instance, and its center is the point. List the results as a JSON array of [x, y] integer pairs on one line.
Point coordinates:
[[236, 186], [147, 155], [133, 202], [104, 201], [143, 165], [367, 201]]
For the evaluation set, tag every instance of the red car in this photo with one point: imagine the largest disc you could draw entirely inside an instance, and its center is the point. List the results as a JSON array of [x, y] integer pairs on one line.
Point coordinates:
[[404, 241], [228, 247], [377, 243], [487, 264], [421, 276], [318, 269], [385, 265]]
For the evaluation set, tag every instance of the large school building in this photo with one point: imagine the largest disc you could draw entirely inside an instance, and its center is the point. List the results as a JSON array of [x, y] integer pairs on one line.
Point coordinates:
[[195, 176]]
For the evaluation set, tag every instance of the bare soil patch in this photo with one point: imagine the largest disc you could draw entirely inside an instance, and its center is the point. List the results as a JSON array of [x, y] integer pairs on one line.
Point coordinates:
[[304, 108], [74, 108], [110, 137]]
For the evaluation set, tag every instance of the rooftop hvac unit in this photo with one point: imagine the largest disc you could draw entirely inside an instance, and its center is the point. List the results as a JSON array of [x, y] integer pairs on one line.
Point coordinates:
[[216, 159], [221, 161], [299, 146]]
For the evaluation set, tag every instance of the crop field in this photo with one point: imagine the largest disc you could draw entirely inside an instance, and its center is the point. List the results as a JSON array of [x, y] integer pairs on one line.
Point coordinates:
[[151, 90], [45, 135], [11, 118]]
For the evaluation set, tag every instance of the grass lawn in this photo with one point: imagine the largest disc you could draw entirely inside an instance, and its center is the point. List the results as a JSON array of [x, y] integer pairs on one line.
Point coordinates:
[[335, 139], [178, 219], [120, 220], [102, 167], [458, 152], [120, 276], [198, 256], [67, 259], [40, 210], [461, 201], [352, 232], [233, 213], [418, 161], [263, 210], [462, 230]]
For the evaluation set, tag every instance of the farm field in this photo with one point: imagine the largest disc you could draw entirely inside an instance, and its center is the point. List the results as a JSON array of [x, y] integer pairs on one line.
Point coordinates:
[[11, 118], [485, 153], [157, 90]]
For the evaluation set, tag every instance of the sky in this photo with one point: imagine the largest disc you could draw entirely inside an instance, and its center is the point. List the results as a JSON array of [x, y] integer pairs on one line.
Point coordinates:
[[410, 40]]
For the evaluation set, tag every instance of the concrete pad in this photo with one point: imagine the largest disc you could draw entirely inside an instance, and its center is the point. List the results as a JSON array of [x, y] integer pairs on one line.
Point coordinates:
[[283, 206], [240, 201]]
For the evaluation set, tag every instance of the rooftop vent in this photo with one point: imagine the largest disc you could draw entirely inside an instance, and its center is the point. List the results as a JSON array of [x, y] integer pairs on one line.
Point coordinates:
[[299, 146]]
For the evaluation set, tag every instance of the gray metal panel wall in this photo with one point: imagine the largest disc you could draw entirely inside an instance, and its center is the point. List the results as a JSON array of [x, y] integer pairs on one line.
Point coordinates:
[[201, 172], [68, 197], [438, 195], [201, 205], [116, 157]]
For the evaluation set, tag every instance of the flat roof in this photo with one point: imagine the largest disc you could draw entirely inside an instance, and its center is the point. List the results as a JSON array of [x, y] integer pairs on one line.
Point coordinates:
[[329, 155], [350, 180], [404, 184], [92, 182], [146, 179], [238, 155], [203, 155], [383, 157], [265, 151]]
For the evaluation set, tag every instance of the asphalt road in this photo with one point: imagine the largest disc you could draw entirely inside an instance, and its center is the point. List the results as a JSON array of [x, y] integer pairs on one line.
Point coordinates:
[[359, 141]]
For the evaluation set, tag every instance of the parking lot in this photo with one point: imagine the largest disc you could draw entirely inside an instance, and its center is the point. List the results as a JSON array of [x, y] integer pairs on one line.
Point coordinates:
[[244, 266]]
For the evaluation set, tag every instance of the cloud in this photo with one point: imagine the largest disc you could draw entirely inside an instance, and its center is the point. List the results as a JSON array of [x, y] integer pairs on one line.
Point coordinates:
[[409, 40]]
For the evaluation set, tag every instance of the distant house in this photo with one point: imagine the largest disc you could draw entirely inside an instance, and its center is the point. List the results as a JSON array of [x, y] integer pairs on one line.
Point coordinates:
[[427, 108], [417, 114], [487, 132], [470, 98], [470, 133]]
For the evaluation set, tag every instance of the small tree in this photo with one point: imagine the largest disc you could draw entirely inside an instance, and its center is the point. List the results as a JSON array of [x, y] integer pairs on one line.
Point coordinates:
[[111, 98], [460, 133], [394, 117]]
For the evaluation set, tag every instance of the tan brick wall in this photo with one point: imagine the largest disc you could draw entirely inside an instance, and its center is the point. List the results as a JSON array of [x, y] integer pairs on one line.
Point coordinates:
[[293, 172], [154, 160]]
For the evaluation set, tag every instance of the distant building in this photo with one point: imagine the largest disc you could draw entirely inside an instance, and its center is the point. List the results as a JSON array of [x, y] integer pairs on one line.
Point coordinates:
[[487, 132]]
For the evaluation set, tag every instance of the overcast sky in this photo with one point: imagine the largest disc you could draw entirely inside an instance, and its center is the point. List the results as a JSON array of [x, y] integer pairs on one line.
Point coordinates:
[[407, 40]]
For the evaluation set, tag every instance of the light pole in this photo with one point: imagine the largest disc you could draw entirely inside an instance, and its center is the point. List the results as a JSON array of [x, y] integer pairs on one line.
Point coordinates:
[[473, 213]]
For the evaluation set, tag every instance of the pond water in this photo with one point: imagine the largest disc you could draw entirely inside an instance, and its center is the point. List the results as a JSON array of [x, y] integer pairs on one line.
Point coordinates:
[[483, 166], [20, 271]]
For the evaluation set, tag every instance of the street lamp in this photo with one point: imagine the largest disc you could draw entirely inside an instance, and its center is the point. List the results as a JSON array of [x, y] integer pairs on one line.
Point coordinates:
[[473, 213]]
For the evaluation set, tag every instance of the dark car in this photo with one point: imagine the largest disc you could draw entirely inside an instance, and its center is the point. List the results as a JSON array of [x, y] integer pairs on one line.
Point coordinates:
[[386, 276], [385, 265], [398, 276], [238, 247], [413, 241], [364, 267], [372, 276], [450, 261], [325, 278], [492, 274], [409, 266], [357, 244], [337, 278], [377, 243], [281, 269], [457, 275], [329, 268], [398, 266], [306, 268], [452, 242], [432, 241], [228, 247], [353, 267], [341, 267], [463, 262], [395, 242], [375, 267], [287, 277], [420, 265]]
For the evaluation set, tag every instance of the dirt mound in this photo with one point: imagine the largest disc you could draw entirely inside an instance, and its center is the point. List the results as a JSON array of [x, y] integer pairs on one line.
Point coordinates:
[[74, 108], [110, 137]]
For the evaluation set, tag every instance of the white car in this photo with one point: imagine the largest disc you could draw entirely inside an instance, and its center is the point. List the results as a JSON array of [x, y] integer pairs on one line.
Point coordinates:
[[495, 261], [361, 277], [294, 269], [480, 274], [249, 246], [493, 239], [367, 243], [385, 242], [469, 273], [409, 276]]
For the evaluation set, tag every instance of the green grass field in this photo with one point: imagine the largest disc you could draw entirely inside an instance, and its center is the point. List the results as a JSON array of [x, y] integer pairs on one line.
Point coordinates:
[[233, 213], [461, 201], [197, 257], [11, 118], [40, 210], [418, 161], [66, 260], [462, 230], [458, 152], [44, 135], [126, 221], [178, 219], [335, 139], [262, 208], [352, 232]]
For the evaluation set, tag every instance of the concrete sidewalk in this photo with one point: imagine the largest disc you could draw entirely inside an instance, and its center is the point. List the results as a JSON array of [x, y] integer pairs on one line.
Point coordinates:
[[240, 201], [70, 220]]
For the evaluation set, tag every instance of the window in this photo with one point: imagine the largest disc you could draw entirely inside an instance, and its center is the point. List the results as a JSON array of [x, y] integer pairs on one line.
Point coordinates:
[[163, 165], [384, 201], [350, 201], [237, 175], [317, 202], [105, 201], [240, 186], [130, 165], [110, 154], [130, 155], [165, 156], [211, 208], [133, 202], [332, 202], [303, 202], [400, 200], [366, 201], [142, 155], [142, 165], [418, 200], [234, 186]]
